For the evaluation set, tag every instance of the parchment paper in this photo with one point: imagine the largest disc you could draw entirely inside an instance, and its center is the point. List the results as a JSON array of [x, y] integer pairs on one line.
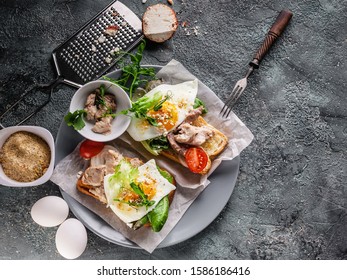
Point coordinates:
[[189, 185]]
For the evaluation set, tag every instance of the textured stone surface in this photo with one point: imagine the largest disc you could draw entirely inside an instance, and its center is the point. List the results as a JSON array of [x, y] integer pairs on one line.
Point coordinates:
[[290, 198]]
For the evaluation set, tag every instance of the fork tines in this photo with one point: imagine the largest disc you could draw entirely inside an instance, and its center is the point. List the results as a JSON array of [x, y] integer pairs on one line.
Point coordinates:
[[231, 101]]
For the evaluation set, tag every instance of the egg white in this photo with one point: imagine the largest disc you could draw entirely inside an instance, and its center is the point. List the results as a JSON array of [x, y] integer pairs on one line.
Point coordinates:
[[129, 213], [183, 93]]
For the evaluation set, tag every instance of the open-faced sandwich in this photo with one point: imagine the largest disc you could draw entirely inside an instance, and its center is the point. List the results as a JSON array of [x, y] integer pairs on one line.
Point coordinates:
[[168, 121], [138, 193]]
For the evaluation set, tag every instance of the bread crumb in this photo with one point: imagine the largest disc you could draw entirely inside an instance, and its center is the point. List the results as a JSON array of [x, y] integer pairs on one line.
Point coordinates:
[[195, 30], [115, 51], [111, 30], [25, 156], [108, 59], [184, 24], [101, 39]]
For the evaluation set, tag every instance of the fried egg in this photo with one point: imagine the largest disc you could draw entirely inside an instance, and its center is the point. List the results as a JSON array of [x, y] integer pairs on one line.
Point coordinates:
[[121, 197], [179, 101]]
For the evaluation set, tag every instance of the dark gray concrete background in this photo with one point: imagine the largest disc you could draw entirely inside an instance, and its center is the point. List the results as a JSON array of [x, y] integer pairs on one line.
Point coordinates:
[[290, 198]]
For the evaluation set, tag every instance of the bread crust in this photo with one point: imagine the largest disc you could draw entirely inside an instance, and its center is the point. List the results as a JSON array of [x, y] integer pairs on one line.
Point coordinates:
[[215, 145], [151, 18], [86, 189]]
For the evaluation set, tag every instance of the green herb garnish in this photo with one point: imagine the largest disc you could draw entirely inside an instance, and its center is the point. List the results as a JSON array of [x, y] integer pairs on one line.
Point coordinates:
[[143, 201], [100, 97], [156, 145], [141, 107], [133, 73], [109, 113], [75, 119], [198, 103], [166, 175], [143, 196], [158, 106]]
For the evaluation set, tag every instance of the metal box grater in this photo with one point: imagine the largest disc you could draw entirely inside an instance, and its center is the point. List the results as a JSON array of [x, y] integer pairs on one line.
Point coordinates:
[[89, 53]]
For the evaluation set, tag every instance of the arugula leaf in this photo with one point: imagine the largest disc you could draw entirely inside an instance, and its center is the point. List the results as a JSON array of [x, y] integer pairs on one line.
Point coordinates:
[[140, 223], [138, 191], [136, 203], [145, 103], [156, 145], [166, 175], [141, 48], [132, 73], [125, 174], [158, 106], [143, 201], [197, 103], [152, 121], [101, 96], [160, 142], [144, 197], [75, 119], [159, 214], [142, 105], [109, 114]]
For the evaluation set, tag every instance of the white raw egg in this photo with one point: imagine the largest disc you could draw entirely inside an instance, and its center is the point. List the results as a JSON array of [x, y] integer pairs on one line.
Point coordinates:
[[71, 238], [50, 211], [180, 101]]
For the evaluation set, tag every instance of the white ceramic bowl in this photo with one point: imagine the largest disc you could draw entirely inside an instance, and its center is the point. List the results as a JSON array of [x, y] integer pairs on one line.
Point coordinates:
[[119, 124], [45, 135]]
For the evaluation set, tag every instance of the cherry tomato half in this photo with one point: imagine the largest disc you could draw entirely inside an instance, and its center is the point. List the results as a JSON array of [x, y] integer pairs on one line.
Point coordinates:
[[90, 148], [196, 159]]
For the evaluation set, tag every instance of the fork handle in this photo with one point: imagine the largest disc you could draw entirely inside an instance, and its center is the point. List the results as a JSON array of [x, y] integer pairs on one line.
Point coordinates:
[[275, 31]]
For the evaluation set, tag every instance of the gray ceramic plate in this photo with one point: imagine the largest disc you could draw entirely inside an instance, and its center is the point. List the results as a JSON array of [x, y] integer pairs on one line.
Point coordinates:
[[194, 220]]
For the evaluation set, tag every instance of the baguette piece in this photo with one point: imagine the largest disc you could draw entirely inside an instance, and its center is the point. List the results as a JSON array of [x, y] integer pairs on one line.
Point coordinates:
[[159, 23], [97, 191], [156, 219], [213, 146]]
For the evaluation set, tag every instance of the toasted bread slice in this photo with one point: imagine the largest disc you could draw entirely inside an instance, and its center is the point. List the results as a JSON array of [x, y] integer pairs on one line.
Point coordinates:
[[98, 193], [95, 192], [213, 146]]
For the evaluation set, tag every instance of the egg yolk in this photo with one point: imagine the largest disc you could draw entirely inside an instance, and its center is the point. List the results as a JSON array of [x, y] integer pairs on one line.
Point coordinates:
[[148, 188], [166, 116], [129, 196]]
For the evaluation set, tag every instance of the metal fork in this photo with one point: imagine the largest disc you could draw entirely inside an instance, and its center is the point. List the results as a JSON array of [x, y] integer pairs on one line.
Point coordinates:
[[275, 31]]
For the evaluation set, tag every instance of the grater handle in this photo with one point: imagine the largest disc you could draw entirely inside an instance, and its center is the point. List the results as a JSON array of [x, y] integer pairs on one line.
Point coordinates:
[[38, 87], [275, 31]]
